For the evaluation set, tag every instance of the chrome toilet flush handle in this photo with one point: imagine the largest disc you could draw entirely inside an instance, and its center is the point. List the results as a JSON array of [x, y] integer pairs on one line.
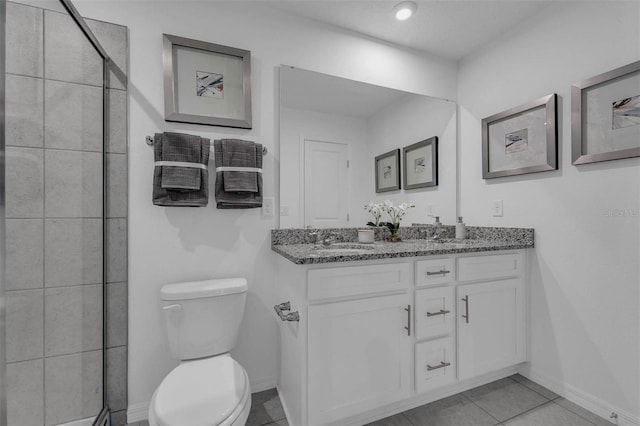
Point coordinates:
[[286, 306]]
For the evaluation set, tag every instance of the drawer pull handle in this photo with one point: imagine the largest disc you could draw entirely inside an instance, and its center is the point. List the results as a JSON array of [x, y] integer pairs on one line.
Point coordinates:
[[442, 272], [433, 314], [442, 365], [286, 306], [408, 326], [466, 308]]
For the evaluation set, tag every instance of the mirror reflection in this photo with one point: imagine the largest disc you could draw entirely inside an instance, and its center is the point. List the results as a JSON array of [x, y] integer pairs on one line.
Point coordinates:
[[331, 130]]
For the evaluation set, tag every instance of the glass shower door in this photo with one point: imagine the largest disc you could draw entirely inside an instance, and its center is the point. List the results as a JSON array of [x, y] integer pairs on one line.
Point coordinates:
[[54, 220]]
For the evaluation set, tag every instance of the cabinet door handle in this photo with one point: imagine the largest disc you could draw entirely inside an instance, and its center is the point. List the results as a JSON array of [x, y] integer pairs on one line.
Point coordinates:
[[466, 308], [408, 326], [433, 314], [442, 272], [441, 365]]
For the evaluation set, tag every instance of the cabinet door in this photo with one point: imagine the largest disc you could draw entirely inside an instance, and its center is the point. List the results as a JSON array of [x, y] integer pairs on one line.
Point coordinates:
[[434, 312], [359, 356], [490, 326]]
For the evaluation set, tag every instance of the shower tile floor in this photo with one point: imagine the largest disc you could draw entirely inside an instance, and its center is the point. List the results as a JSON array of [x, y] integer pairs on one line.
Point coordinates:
[[512, 401]]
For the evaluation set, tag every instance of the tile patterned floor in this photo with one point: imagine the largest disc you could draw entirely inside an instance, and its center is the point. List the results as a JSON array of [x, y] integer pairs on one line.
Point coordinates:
[[512, 401]]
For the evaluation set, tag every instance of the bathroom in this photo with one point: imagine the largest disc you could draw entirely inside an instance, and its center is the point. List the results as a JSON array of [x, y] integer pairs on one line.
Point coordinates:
[[584, 271]]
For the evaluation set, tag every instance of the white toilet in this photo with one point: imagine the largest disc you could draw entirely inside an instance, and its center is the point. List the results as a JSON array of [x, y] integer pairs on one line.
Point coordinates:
[[208, 387]]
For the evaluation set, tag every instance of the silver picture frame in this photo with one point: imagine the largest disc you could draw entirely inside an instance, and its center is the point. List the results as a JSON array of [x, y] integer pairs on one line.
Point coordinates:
[[600, 131], [420, 164], [206, 83], [388, 171], [521, 140]]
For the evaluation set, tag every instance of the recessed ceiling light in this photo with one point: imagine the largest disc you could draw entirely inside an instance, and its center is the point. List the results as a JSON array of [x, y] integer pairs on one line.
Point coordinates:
[[403, 10]]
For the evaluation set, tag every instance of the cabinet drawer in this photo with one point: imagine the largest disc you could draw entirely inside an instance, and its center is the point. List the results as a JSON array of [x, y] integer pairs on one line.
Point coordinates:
[[490, 267], [434, 271], [434, 312], [358, 280], [435, 363]]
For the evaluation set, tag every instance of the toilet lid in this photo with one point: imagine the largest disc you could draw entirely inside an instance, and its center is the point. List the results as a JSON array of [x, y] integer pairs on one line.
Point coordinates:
[[201, 392]]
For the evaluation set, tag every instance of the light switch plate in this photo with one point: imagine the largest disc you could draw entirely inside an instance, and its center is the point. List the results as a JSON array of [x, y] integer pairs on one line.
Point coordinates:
[[267, 207], [497, 208]]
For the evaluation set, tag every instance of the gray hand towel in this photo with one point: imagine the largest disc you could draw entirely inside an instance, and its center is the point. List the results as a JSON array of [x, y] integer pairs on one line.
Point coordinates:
[[238, 189], [181, 198], [178, 147]]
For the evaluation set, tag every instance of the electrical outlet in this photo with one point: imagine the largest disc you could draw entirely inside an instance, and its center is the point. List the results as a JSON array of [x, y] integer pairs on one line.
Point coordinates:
[[431, 209], [267, 207], [497, 208]]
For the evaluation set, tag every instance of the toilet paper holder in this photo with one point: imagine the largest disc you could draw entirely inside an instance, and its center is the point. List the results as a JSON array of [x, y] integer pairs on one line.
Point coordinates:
[[290, 316]]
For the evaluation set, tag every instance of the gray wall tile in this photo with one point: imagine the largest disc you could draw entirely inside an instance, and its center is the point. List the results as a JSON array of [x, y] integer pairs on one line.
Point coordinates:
[[73, 252], [116, 250], [117, 185], [114, 40], [24, 259], [73, 184], [72, 116], [24, 40], [78, 381], [68, 54], [119, 418], [24, 107], [25, 325], [117, 378], [25, 393], [73, 319], [116, 314], [117, 141], [24, 180]]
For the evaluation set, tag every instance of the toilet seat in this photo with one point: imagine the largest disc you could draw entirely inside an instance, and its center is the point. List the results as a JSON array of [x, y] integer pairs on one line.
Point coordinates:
[[210, 391]]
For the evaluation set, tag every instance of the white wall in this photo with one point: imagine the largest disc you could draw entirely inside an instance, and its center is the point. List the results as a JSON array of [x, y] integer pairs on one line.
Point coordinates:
[[584, 287], [388, 130], [173, 244], [297, 124]]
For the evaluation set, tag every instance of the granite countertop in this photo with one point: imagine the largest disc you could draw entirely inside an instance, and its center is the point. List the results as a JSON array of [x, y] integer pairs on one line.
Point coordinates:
[[293, 245]]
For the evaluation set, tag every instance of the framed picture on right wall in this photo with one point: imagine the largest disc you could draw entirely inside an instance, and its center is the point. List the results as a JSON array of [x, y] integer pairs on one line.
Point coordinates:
[[605, 116]]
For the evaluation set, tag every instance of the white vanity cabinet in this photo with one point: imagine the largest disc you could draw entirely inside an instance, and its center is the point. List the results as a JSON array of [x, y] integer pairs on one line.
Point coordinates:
[[383, 335]]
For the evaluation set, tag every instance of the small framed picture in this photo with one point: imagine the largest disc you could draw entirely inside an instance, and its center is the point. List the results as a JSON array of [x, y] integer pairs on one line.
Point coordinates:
[[206, 83], [388, 171], [605, 116], [521, 140], [420, 164]]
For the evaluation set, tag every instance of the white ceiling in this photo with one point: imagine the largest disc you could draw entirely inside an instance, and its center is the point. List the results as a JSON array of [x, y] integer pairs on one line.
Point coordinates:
[[447, 28]]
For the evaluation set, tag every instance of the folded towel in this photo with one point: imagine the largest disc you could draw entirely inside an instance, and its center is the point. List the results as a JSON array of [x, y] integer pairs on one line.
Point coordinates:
[[180, 197], [238, 174], [178, 149]]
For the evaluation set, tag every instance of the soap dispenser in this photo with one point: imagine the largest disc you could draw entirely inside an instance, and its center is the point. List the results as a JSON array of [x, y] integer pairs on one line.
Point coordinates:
[[461, 229]]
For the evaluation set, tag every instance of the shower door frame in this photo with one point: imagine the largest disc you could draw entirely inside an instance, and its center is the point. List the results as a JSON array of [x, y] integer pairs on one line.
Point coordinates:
[[103, 418]]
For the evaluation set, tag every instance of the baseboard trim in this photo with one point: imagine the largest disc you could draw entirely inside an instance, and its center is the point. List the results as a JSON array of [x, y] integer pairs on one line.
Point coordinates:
[[577, 396], [263, 384], [138, 412]]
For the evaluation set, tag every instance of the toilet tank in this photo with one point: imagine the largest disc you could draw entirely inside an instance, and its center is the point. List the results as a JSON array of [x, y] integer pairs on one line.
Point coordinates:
[[202, 318]]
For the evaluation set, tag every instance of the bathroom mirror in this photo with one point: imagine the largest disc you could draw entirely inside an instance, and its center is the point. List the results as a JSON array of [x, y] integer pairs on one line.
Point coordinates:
[[332, 129]]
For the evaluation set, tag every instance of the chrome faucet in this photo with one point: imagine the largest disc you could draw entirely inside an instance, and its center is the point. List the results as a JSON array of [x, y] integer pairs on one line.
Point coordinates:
[[330, 239]]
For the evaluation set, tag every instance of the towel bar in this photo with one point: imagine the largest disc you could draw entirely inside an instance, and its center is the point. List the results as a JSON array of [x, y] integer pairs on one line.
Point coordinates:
[[149, 140]]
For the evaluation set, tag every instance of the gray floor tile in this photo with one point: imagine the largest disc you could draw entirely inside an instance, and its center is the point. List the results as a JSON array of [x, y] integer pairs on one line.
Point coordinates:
[[119, 418], [505, 398], [584, 413], [456, 410], [534, 386], [282, 422], [397, 420], [547, 415], [265, 408]]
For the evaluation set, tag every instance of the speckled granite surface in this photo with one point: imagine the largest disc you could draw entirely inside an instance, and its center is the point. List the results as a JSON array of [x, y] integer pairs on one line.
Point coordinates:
[[297, 244]]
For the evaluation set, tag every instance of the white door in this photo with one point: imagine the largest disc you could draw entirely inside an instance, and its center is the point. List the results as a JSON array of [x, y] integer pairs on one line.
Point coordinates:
[[359, 356], [325, 184], [490, 326]]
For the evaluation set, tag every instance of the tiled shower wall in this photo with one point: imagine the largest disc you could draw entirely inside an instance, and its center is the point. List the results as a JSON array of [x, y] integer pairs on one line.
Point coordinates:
[[54, 190]]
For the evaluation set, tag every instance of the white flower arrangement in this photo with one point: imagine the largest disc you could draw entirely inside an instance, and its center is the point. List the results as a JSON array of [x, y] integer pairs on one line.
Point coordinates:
[[396, 213]]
